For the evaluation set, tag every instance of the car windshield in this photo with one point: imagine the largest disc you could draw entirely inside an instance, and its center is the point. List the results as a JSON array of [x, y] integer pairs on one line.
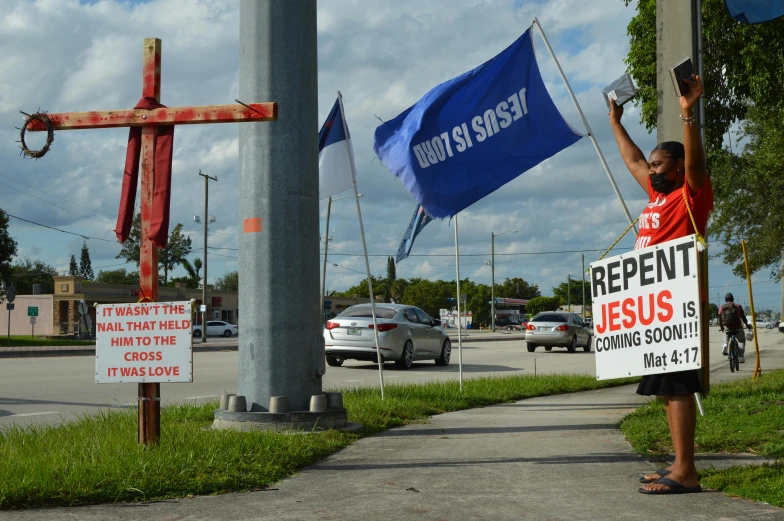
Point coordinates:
[[552, 317], [365, 312]]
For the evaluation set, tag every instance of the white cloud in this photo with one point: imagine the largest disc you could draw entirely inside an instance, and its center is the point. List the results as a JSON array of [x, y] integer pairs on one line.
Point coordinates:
[[383, 56]]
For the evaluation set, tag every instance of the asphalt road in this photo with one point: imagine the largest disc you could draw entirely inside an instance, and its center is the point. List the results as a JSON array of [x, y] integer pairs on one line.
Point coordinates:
[[45, 390]]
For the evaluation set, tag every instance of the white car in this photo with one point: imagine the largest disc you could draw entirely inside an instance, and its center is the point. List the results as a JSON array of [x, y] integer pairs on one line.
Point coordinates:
[[216, 328], [764, 324]]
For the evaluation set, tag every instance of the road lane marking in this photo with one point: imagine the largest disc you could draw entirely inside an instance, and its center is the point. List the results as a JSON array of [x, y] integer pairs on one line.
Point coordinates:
[[200, 397], [32, 414]]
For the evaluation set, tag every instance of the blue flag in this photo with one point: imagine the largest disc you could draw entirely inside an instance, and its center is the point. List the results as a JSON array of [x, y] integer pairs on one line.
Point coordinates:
[[755, 11], [474, 133], [418, 221]]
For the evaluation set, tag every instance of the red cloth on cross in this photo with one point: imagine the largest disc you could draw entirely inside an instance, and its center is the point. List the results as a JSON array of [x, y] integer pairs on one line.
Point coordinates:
[[161, 198]]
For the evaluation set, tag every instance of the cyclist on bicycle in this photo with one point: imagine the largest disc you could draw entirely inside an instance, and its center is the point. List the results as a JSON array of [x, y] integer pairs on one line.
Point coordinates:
[[732, 318]]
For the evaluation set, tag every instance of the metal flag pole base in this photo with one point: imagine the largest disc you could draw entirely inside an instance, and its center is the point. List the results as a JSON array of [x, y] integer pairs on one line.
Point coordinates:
[[698, 399], [459, 325]]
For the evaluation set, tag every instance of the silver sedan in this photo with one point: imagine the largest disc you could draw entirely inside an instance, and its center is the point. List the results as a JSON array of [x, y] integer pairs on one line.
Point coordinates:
[[558, 329], [405, 334]]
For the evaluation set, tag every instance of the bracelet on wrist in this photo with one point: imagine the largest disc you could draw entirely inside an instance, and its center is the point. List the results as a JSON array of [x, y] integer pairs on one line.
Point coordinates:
[[689, 119]]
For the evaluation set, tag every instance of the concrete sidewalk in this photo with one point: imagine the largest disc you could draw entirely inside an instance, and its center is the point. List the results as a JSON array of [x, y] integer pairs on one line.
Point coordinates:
[[551, 458]]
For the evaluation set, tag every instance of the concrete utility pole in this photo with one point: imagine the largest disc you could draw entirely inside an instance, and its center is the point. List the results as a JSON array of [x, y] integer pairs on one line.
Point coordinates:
[[676, 38], [207, 220], [281, 351]]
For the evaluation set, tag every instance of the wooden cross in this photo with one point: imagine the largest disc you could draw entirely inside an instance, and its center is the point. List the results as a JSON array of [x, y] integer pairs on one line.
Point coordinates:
[[150, 120]]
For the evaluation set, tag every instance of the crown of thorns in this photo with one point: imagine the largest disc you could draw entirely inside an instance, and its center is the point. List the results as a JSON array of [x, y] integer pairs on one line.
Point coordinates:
[[44, 119]]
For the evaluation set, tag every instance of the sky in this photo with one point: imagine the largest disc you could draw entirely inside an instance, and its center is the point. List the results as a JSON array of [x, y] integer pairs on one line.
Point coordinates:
[[67, 55]]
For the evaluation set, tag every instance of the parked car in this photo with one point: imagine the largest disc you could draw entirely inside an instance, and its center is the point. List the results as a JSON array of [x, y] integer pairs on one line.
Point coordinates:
[[216, 328], [764, 323], [556, 329], [405, 334], [509, 324]]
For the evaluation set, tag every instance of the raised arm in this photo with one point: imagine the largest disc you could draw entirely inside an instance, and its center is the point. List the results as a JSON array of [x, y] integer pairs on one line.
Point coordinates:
[[694, 162], [632, 155]]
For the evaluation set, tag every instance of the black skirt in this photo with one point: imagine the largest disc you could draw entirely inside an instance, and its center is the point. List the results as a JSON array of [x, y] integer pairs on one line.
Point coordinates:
[[669, 384]]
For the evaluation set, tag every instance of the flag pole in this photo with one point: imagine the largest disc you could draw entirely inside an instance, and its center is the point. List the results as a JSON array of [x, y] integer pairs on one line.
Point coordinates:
[[459, 325], [324, 268], [585, 122], [364, 246]]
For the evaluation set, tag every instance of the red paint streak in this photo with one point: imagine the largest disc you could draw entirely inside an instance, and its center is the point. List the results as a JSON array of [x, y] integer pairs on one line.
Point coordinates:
[[145, 270]]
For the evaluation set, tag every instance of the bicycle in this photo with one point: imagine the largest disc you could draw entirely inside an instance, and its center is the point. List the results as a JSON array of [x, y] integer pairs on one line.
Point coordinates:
[[732, 354]]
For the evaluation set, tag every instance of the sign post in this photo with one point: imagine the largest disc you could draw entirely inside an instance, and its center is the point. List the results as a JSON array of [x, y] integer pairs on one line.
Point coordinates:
[[647, 312], [32, 323], [10, 296], [32, 312]]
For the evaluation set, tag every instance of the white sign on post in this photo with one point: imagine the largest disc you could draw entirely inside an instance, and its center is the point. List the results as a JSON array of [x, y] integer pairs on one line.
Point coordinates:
[[146, 342], [646, 311]]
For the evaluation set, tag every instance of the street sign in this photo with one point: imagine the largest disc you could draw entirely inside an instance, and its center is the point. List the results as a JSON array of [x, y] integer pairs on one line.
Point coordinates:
[[10, 294], [9, 306], [203, 308], [32, 320], [32, 311]]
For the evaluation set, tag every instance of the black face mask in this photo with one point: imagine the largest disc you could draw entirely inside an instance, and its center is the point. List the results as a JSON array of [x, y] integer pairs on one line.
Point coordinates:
[[661, 184]]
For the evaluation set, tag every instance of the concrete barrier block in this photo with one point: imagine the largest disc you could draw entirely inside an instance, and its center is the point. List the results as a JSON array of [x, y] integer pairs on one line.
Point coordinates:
[[334, 400], [318, 403], [224, 401], [278, 405], [237, 403]]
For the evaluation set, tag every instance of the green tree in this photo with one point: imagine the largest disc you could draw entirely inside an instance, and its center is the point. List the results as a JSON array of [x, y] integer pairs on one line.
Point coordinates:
[[7, 250], [713, 310], [192, 279], [73, 268], [563, 291], [742, 64], [177, 248], [517, 288], [747, 188], [118, 276], [391, 270], [229, 281], [85, 264], [429, 296], [539, 304], [27, 272]]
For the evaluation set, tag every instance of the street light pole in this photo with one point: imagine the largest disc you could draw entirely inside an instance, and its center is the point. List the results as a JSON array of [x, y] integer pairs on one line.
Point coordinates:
[[493, 235], [326, 247], [204, 255]]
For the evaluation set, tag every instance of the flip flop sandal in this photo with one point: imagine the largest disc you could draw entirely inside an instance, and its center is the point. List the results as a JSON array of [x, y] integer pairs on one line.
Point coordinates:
[[674, 488], [660, 472]]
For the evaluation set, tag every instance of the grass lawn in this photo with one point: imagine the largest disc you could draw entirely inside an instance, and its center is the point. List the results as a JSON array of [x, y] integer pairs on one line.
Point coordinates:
[[27, 340], [96, 458], [743, 416]]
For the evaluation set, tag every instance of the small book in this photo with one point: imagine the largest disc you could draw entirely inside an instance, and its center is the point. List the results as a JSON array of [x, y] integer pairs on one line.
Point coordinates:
[[682, 71], [621, 90]]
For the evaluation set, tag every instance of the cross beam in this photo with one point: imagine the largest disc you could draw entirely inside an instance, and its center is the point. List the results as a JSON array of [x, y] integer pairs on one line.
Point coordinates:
[[149, 121], [253, 112]]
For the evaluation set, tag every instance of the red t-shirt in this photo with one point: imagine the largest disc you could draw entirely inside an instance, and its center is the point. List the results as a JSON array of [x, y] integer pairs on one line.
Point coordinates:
[[666, 217]]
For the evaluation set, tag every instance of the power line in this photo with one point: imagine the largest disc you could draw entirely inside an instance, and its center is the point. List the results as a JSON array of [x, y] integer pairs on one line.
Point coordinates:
[[477, 254], [59, 230], [56, 197], [52, 204]]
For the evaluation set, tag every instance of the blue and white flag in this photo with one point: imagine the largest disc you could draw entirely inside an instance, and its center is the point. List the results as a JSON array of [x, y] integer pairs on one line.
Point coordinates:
[[418, 221], [334, 148], [474, 133], [755, 11]]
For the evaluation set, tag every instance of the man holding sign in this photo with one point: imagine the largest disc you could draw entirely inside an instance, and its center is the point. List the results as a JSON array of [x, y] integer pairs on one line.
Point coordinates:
[[653, 328]]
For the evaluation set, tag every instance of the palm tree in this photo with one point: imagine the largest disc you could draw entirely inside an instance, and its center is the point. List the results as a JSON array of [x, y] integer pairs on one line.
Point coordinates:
[[193, 271]]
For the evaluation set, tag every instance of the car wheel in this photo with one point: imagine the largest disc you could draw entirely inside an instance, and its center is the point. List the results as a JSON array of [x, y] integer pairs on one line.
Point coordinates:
[[768, 327], [407, 358], [572, 347], [334, 362], [548, 348], [197, 333], [227, 333], [508, 328], [587, 347], [531, 347], [446, 353]]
